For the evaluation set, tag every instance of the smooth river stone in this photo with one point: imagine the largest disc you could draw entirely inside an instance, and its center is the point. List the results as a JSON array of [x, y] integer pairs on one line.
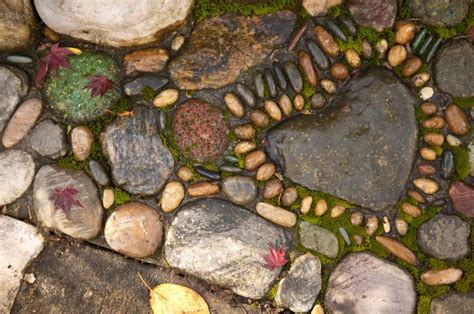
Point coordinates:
[[17, 169], [224, 244], [22, 122], [14, 86], [353, 149], [363, 283], [139, 161]]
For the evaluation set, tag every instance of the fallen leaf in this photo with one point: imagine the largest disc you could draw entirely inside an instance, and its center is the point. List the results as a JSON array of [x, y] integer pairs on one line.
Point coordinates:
[[397, 249], [275, 258], [99, 85], [64, 199], [56, 58], [169, 298]]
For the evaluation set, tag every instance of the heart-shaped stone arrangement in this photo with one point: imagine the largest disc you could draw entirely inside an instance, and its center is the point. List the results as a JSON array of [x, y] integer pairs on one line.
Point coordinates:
[[361, 148]]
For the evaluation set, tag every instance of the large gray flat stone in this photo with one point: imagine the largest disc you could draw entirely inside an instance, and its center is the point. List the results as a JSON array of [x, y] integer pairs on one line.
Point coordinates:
[[360, 149]]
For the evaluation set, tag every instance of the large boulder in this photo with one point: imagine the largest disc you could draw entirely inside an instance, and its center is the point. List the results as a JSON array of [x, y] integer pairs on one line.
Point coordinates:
[[17, 24], [114, 23], [224, 244], [14, 86], [140, 162], [363, 283], [360, 149], [439, 12], [221, 47], [454, 68]]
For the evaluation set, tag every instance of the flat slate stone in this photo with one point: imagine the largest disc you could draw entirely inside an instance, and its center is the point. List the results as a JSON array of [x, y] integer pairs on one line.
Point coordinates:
[[14, 86], [363, 283], [140, 162], [453, 303], [79, 278], [221, 47], [360, 148], [224, 244], [454, 68], [20, 243], [49, 139], [445, 237], [439, 12], [318, 239]]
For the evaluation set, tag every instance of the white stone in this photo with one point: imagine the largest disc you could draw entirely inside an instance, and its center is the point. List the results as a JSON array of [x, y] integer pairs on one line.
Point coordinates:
[[17, 170], [111, 22], [319, 7], [20, 243], [453, 140], [426, 93]]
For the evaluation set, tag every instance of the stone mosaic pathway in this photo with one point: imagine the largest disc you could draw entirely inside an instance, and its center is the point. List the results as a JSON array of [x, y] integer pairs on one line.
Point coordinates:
[[297, 156]]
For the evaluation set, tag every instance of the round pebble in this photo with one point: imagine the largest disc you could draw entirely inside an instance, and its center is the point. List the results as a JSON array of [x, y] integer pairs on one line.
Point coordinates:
[[356, 218], [259, 119], [428, 153], [426, 185], [166, 98], [453, 140], [435, 122], [411, 210], [285, 104], [244, 131], [108, 198], [396, 55], [416, 196], [298, 102], [329, 86], [428, 108], [244, 147], [272, 109], [435, 139], [411, 66], [306, 203], [405, 32], [420, 79], [184, 173], [426, 93], [337, 211], [339, 71], [172, 196], [265, 172], [234, 105], [401, 226], [272, 188], [456, 120], [352, 58], [177, 42], [371, 225], [426, 169], [289, 196], [254, 160], [81, 142], [318, 101], [321, 207]]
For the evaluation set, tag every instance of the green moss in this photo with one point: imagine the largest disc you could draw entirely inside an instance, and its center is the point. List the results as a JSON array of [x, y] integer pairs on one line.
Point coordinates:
[[210, 8], [67, 93], [438, 150], [337, 10], [464, 103], [404, 12], [419, 115], [209, 166], [271, 294], [461, 162], [307, 91], [351, 43], [231, 136], [168, 141], [149, 93], [70, 162], [450, 32], [121, 197], [330, 199]]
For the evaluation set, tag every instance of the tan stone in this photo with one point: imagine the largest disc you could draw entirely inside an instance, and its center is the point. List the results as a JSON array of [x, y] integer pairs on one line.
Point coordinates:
[[397, 249], [276, 214], [22, 122], [441, 277], [81, 142], [145, 60], [172, 196], [202, 189]]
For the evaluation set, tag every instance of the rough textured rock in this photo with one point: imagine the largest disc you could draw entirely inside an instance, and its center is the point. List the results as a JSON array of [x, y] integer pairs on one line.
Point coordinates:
[[140, 162], [378, 14], [113, 23], [453, 303], [20, 243], [439, 12], [240, 189], [220, 48], [200, 130], [49, 139], [319, 7], [134, 229], [223, 244], [300, 288], [14, 85], [462, 197], [318, 239], [22, 122], [17, 24], [17, 170], [78, 278], [454, 68], [358, 148], [364, 283], [445, 237], [83, 222]]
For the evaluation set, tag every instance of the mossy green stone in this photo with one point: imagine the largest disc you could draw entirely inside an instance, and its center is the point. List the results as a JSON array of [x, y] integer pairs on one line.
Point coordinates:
[[67, 92]]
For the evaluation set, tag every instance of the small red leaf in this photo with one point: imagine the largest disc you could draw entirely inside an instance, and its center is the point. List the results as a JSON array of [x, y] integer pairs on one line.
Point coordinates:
[[99, 85], [41, 74], [64, 199], [56, 58], [275, 258]]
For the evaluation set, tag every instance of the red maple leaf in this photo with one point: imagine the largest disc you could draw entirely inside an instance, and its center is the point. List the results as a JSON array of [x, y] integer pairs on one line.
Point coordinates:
[[99, 85], [275, 258], [64, 199], [56, 58]]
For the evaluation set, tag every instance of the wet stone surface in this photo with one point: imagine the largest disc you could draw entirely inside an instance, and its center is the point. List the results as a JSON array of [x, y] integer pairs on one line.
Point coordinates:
[[328, 152]]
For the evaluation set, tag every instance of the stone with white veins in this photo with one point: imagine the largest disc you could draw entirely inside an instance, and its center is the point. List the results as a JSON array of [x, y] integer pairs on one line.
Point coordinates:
[[224, 244], [14, 86], [300, 288], [17, 170], [85, 220], [363, 283], [20, 243]]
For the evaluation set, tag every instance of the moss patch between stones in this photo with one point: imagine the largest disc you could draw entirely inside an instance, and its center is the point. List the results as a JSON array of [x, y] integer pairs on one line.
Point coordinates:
[[462, 164], [121, 197]]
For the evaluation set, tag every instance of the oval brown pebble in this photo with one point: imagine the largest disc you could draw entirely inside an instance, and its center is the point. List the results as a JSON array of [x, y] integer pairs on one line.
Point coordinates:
[[81, 142], [339, 71], [289, 196], [426, 185], [420, 79], [337, 211], [326, 41], [272, 188], [254, 160], [411, 210], [428, 153], [259, 119], [457, 120], [426, 169], [405, 32], [441, 277], [321, 207], [411, 66], [397, 249], [329, 86], [435, 139], [366, 49], [234, 105], [306, 66], [428, 108], [184, 173], [298, 102], [371, 225], [396, 55], [244, 147], [276, 214], [352, 58], [265, 172], [285, 104], [306, 203], [435, 122], [202, 189], [416, 196], [357, 218], [272, 109], [244, 131]]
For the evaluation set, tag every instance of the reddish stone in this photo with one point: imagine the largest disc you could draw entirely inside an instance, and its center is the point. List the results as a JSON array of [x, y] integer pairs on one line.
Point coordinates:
[[200, 131], [462, 197]]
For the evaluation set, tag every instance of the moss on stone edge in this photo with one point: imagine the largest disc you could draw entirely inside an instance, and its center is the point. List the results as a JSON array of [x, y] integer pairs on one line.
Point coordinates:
[[464, 103], [462, 164], [67, 90], [450, 32], [210, 8], [121, 197]]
